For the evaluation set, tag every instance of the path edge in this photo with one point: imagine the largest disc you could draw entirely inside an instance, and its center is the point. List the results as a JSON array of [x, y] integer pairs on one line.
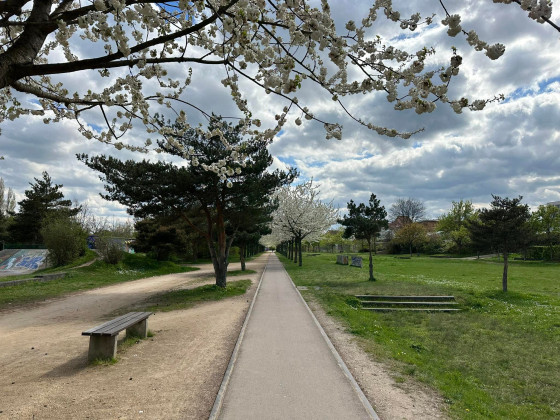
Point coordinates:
[[345, 370], [219, 401]]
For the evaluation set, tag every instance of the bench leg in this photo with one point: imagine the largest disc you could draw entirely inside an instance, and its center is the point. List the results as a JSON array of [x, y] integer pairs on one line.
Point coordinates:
[[102, 347], [138, 330]]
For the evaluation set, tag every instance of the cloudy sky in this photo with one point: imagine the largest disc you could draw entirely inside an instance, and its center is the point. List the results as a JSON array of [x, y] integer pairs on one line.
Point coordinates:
[[510, 148]]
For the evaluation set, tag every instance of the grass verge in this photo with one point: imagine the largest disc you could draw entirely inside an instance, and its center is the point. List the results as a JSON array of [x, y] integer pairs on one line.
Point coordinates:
[[497, 358], [98, 274], [186, 298], [240, 273]]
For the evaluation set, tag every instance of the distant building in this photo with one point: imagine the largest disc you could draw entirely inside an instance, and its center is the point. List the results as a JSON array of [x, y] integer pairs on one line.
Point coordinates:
[[554, 203], [401, 221], [429, 225]]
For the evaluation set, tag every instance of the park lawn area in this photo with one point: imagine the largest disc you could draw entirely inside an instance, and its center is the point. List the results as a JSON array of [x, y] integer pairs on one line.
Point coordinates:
[[498, 358], [98, 274]]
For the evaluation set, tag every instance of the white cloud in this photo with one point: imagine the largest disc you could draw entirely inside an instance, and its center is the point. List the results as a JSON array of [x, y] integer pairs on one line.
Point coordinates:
[[507, 149]]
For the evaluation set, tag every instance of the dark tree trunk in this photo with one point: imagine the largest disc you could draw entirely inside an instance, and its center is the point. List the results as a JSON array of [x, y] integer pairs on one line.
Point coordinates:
[[410, 249], [242, 248], [505, 275], [220, 266], [295, 251], [300, 253], [371, 278], [290, 249], [219, 251]]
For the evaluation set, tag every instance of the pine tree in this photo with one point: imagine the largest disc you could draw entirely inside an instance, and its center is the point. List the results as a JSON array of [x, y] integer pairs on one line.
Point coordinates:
[[43, 200], [365, 222], [504, 226], [200, 189]]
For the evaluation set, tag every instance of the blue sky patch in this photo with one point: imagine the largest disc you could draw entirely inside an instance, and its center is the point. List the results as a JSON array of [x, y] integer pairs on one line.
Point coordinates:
[[525, 91]]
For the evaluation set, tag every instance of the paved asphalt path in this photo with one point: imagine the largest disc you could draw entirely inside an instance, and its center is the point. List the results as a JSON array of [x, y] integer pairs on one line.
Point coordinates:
[[285, 369]]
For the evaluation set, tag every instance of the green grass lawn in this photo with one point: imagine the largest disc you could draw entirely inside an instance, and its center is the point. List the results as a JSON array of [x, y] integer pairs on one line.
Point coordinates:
[[98, 274], [186, 298], [496, 359]]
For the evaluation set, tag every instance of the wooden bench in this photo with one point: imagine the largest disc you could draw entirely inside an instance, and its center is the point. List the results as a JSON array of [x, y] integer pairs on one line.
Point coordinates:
[[103, 338]]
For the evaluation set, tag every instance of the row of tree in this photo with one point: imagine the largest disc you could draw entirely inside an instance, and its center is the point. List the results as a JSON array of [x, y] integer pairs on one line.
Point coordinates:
[[300, 216]]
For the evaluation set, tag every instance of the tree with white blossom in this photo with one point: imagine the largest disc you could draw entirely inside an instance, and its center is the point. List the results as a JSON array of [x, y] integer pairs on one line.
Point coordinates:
[[136, 52], [301, 215]]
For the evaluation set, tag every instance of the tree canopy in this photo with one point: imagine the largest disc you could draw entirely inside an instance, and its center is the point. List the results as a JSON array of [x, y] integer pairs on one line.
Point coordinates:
[[142, 55], [222, 197], [411, 235], [365, 222], [301, 215], [546, 221], [454, 223], [504, 226], [44, 199]]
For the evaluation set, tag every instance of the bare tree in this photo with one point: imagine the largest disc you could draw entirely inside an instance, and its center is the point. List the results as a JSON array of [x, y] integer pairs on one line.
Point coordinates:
[[408, 209]]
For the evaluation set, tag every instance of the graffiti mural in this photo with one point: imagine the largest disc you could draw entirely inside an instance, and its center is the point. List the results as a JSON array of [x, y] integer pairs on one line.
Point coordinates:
[[25, 260]]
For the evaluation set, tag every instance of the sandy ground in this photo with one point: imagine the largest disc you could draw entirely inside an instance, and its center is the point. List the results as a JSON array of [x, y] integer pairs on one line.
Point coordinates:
[[391, 400], [176, 374]]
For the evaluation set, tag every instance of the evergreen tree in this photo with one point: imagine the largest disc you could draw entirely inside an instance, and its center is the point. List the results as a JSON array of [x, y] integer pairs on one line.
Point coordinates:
[[504, 226], [161, 238], [220, 196], [43, 200], [365, 222]]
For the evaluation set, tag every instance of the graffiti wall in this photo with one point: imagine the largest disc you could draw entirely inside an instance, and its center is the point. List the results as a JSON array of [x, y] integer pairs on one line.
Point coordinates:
[[25, 260]]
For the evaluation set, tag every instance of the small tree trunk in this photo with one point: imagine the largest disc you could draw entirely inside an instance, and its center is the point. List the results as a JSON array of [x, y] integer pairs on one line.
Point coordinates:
[[300, 253], [371, 278], [410, 249], [291, 249], [242, 248], [295, 251], [505, 275]]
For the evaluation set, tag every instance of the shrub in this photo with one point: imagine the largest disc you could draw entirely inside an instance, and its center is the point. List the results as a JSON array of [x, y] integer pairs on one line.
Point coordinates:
[[234, 251], [433, 245], [65, 239], [540, 252], [111, 250]]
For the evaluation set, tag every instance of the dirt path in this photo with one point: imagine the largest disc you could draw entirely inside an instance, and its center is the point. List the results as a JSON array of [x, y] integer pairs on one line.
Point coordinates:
[[43, 357]]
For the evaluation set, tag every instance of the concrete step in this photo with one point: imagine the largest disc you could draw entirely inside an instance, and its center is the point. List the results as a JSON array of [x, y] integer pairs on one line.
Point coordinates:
[[405, 298], [412, 309], [405, 303]]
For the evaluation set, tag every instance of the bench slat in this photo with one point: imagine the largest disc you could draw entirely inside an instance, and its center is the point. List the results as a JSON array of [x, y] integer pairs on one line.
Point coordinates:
[[110, 323], [116, 325]]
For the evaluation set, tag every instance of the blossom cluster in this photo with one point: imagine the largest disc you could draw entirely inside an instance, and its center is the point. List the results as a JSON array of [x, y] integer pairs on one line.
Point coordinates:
[[275, 45], [301, 214]]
